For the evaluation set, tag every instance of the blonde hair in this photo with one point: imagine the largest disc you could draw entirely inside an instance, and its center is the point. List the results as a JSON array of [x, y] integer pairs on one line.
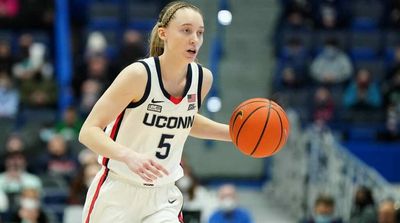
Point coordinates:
[[166, 15]]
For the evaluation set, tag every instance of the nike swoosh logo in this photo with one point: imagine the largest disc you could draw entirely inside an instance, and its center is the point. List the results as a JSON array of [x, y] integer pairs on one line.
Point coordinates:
[[155, 101], [171, 201]]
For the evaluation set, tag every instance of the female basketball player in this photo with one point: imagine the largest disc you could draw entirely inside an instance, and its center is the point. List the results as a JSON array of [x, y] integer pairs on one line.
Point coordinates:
[[140, 124]]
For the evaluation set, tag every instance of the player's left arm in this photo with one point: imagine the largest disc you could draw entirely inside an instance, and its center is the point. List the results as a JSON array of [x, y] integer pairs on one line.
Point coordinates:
[[204, 127]]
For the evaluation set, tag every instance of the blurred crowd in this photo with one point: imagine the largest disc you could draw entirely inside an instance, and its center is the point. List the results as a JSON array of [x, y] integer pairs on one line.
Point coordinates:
[[45, 171], [343, 58], [364, 209]]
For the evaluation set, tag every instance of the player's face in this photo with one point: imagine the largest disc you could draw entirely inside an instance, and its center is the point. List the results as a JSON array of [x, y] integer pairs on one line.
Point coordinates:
[[184, 34]]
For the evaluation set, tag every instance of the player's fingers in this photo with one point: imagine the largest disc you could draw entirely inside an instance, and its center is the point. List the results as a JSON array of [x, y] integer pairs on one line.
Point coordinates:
[[141, 173], [149, 175], [159, 167], [145, 178], [153, 170]]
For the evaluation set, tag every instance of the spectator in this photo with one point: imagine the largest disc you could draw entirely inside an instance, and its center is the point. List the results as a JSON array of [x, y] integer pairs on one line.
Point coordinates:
[[57, 160], [292, 67], [324, 211], [35, 14], [14, 143], [392, 106], [3, 204], [324, 108], [25, 41], [91, 82], [395, 64], [80, 184], [87, 157], [362, 93], [96, 44], [132, 49], [6, 57], [363, 210], [332, 66], [394, 14], [330, 14], [90, 92], [228, 211], [34, 75], [304, 6], [393, 91], [15, 178], [387, 212], [70, 124], [30, 210], [296, 15], [197, 201], [9, 97], [9, 10], [77, 191]]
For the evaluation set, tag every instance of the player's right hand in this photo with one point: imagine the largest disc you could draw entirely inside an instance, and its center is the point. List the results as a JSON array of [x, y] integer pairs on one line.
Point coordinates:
[[145, 167]]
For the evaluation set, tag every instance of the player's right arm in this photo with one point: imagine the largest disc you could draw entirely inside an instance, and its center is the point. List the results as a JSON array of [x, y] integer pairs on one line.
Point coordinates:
[[129, 86]]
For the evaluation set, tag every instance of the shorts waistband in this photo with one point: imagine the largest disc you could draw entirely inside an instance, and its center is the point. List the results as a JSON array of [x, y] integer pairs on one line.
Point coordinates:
[[116, 176]]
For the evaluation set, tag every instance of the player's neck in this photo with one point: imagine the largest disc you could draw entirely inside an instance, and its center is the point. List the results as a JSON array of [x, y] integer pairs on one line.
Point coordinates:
[[172, 68]]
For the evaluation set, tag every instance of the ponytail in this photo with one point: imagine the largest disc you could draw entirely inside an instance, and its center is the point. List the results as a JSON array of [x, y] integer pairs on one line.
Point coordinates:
[[156, 44]]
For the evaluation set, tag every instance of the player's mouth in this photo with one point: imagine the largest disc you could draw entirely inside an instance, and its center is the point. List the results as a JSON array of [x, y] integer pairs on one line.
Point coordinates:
[[192, 51]]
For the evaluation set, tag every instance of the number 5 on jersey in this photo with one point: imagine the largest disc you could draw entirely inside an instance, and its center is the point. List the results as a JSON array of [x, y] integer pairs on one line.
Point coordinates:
[[162, 154]]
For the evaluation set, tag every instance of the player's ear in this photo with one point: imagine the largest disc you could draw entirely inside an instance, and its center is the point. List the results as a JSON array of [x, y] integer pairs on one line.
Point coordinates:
[[162, 33]]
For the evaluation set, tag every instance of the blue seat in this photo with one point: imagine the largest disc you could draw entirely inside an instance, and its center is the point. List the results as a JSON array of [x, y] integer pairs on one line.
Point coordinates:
[[366, 14], [391, 41], [364, 24], [142, 16], [6, 35], [382, 156], [365, 45], [105, 15]]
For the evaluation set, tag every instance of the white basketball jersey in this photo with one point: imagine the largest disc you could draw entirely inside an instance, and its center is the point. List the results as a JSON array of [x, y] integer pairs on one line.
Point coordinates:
[[157, 124]]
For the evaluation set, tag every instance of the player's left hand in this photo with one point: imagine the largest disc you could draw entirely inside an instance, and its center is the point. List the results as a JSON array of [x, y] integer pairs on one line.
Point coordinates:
[[146, 168]]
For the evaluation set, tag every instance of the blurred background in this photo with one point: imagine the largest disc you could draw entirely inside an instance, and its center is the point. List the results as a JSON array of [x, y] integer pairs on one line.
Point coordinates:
[[334, 65]]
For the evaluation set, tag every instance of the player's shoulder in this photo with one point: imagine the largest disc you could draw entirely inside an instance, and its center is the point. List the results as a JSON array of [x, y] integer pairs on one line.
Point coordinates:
[[207, 75], [206, 72], [135, 70]]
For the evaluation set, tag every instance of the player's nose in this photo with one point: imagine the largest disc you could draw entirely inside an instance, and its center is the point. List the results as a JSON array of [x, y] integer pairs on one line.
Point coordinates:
[[194, 39]]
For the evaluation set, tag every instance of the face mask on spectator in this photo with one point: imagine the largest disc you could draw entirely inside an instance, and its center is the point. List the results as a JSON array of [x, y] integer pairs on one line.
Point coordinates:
[[29, 203], [228, 204], [319, 218]]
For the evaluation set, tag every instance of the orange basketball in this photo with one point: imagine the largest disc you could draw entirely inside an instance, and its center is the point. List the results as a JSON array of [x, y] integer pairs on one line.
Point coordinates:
[[259, 127]]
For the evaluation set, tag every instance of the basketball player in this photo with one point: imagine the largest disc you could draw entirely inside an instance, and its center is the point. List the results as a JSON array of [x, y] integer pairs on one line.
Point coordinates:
[[140, 124]]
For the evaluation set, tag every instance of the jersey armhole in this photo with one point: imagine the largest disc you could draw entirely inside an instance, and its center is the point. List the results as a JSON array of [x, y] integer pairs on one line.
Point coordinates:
[[147, 90], [200, 82]]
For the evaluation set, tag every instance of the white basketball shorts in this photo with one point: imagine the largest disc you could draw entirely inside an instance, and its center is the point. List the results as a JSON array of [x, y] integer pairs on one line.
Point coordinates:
[[112, 199]]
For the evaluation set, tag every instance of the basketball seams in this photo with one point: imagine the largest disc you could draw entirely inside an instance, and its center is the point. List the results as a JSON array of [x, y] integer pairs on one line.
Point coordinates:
[[262, 133], [233, 124], [244, 122], [250, 102]]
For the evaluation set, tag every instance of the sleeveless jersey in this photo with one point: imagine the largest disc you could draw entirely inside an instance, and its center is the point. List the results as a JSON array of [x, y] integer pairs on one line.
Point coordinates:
[[156, 125]]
